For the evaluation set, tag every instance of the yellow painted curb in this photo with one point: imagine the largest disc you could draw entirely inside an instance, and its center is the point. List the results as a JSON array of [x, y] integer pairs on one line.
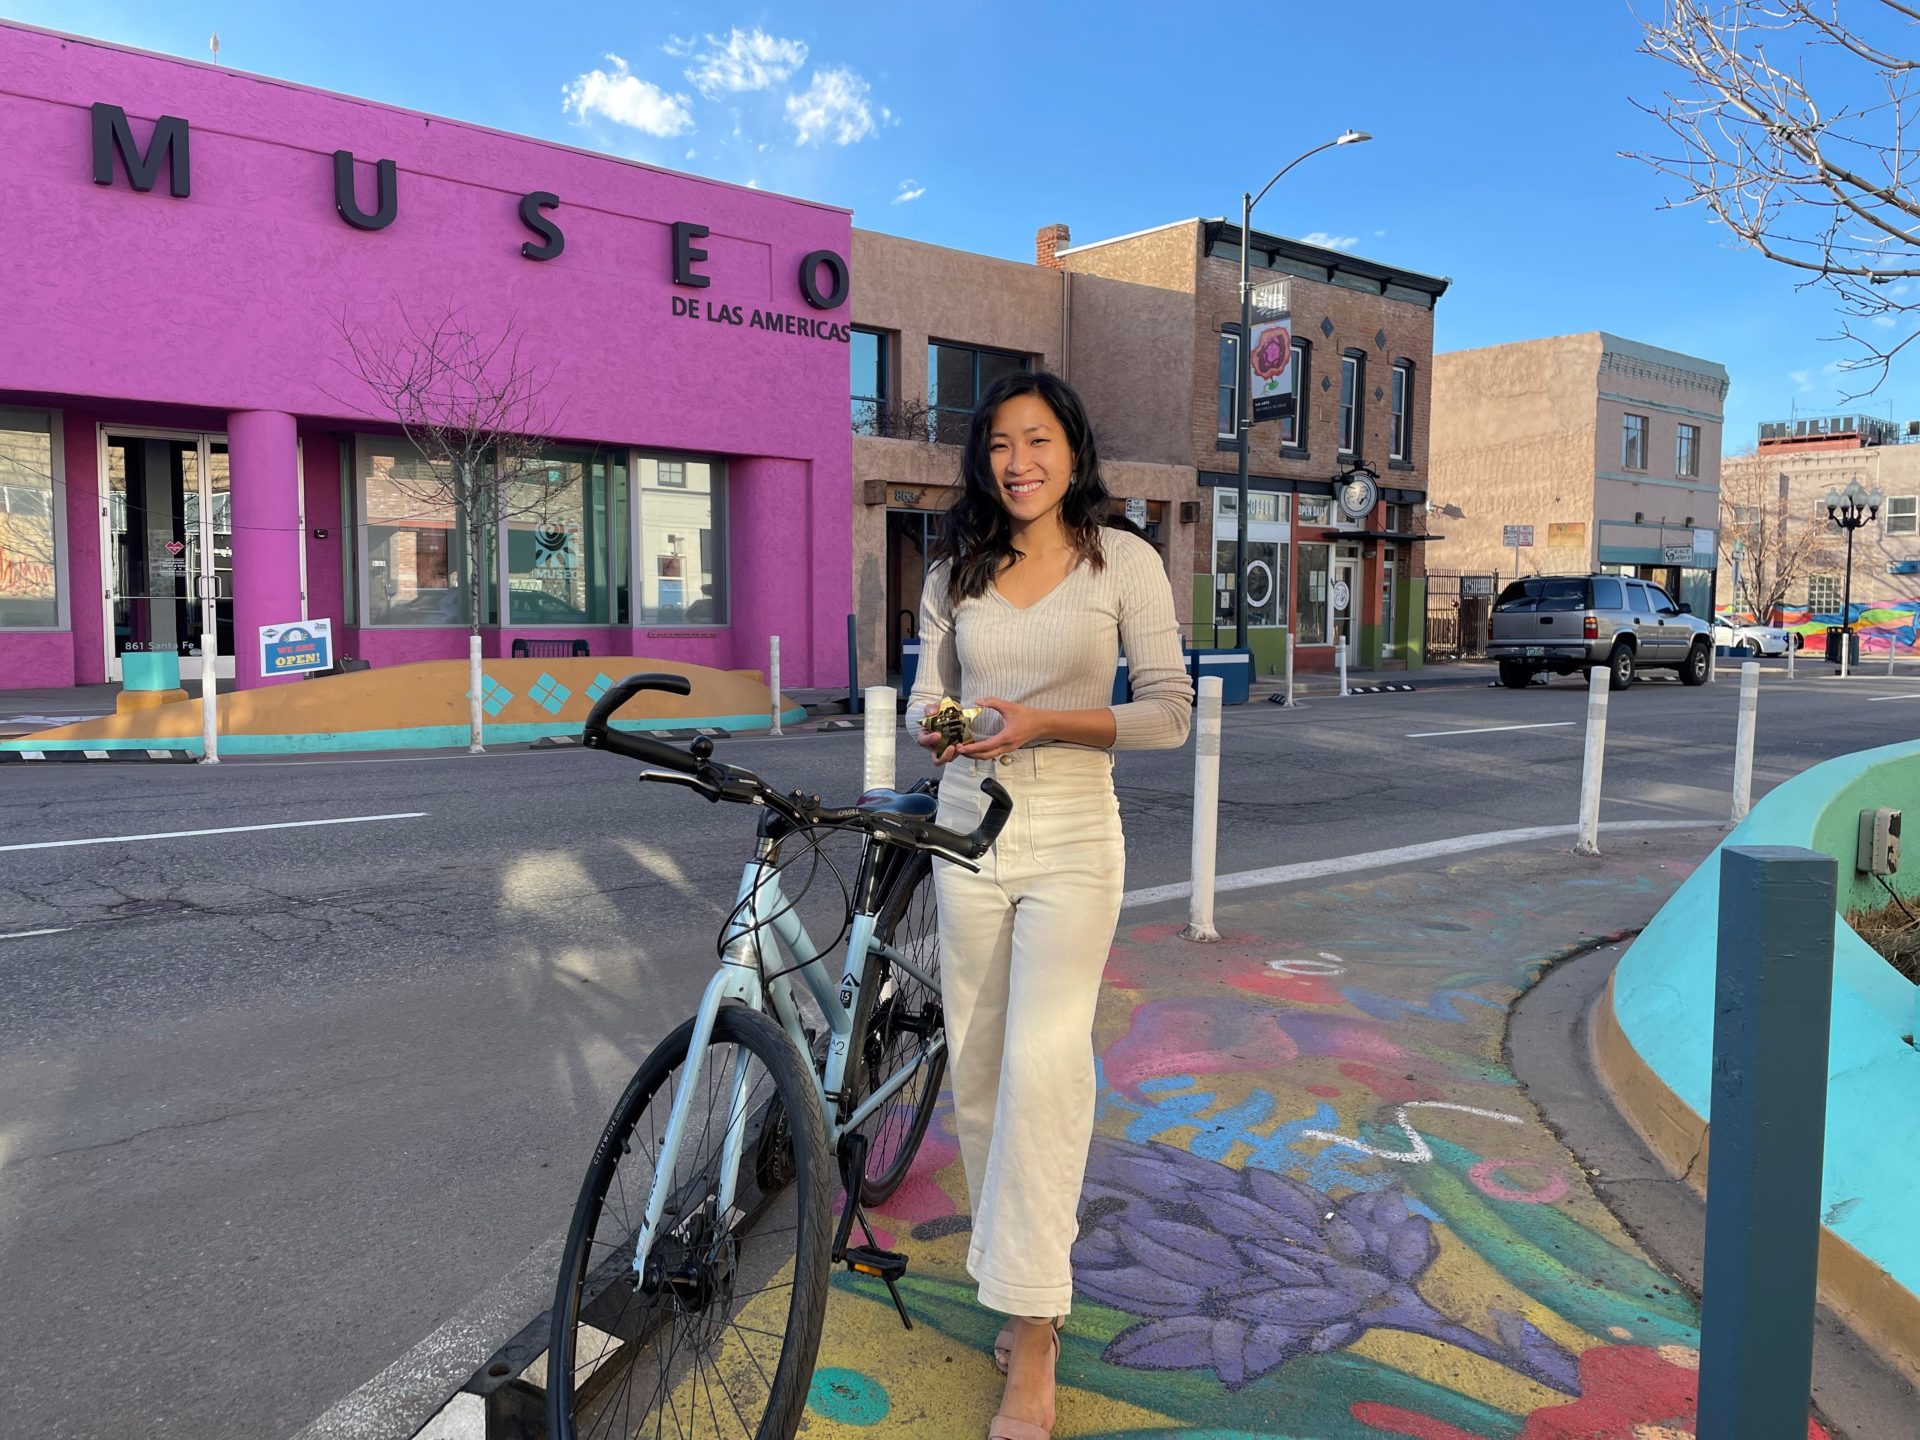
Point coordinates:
[[1871, 1302]]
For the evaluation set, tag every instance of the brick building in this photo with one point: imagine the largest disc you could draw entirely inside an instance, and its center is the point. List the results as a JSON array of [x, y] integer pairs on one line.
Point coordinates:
[[1362, 351]]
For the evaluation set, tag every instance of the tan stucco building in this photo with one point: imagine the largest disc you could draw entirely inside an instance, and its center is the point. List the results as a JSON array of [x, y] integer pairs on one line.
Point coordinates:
[[1607, 448]]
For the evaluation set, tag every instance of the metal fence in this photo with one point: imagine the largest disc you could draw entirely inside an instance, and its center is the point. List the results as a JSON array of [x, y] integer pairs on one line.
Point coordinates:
[[1458, 608]]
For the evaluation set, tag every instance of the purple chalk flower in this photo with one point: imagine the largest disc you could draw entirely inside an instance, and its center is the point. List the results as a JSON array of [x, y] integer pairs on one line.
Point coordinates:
[[1239, 1271]]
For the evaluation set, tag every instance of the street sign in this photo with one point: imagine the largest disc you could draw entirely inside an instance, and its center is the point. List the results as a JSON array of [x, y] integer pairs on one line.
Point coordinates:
[[1137, 511], [1516, 535], [297, 648], [1472, 585]]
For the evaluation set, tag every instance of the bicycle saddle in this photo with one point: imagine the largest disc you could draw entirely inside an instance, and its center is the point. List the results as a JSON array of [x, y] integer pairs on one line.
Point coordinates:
[[911, 803]]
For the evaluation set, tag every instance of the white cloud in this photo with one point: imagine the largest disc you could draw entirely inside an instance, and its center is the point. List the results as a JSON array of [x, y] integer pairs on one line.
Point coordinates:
[[1379, 234], [909, 191], [679, 46], [1884, 322], [690, 154], [1330, 242], [745, 60], [1802, 379], [834, 108], [626, 99]]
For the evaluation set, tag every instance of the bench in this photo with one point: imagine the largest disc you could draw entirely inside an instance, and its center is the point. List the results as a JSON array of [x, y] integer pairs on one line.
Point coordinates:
[[524, 649]]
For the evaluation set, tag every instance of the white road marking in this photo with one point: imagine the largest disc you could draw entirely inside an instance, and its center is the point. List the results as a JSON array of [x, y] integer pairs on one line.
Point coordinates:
[[29, 934], [1345, 866], [1875, 699], [1491, 729], [222, 830]]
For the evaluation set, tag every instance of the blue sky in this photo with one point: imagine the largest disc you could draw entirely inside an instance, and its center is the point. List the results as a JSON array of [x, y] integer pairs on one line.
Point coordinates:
[[972, 123]]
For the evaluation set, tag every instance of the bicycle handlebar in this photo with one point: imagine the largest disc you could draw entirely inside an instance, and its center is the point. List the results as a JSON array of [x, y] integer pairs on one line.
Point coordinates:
[[730, 782]]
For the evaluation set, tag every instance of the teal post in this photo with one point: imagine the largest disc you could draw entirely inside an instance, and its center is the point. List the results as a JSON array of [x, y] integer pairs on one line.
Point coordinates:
[[1773, 1003]]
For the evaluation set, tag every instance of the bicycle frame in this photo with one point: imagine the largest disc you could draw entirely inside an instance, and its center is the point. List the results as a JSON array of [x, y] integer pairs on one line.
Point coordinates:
[[750, 969]]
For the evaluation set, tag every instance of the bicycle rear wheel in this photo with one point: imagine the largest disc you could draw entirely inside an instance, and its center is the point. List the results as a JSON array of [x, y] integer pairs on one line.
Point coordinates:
[[714, 1335], [904, 1024]]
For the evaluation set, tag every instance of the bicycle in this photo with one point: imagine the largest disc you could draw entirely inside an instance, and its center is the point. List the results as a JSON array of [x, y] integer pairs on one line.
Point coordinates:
[[669, 1287]]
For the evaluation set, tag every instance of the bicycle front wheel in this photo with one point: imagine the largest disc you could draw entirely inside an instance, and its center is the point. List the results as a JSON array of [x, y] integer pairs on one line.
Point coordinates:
[[904, 1026], [712, 1333]]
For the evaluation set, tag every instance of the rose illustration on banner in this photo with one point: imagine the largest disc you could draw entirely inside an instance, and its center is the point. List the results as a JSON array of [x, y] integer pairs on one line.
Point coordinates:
[[1271, 355]]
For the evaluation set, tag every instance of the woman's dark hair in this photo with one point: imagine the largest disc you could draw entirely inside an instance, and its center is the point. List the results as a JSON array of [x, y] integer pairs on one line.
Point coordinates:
[[976, 538]]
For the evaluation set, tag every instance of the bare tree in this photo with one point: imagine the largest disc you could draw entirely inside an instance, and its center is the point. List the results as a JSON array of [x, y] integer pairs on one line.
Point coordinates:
[[475, 408], [1781, 541], [900, 420], [1791, 125]]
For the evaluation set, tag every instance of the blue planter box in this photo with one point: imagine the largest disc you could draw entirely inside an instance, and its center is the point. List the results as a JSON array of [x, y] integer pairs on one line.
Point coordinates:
[[1234, 667]]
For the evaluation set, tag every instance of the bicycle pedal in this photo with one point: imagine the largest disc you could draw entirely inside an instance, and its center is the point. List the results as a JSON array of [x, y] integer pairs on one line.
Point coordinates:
[[887, 1265]]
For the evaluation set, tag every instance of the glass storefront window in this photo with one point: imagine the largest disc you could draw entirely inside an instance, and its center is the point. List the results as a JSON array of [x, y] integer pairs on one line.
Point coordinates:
[[1310, 600], [1266, 576], [680, 565], [418, 572], [1316, 510], [29, 533], [559, 532]]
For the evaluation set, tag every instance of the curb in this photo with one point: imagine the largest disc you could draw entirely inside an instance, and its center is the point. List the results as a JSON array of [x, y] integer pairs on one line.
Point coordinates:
[[143, 756]]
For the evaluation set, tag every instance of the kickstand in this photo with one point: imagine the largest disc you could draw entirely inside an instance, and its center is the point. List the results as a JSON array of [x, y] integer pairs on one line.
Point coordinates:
[[887, 1266]]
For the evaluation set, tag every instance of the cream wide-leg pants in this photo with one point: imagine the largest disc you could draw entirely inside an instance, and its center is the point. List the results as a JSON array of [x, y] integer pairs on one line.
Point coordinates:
[[1023, 945]]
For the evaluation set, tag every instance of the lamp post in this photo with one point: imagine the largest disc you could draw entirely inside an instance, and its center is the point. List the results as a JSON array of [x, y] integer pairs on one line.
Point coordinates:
[[1851, 509], [1243, 419]]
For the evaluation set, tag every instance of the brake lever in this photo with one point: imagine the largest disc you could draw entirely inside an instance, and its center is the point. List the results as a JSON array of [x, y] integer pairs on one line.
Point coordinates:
[[695, 783]]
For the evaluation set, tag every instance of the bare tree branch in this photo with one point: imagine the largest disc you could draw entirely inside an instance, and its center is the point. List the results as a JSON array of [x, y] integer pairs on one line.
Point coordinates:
[[1781, 540], [1792, 129]]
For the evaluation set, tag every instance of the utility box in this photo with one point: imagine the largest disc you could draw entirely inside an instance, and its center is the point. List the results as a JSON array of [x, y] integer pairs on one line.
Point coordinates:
[[1879, 849]]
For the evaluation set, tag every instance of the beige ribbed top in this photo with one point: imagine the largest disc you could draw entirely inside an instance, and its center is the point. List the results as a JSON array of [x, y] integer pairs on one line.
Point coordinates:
[[1060, 652]]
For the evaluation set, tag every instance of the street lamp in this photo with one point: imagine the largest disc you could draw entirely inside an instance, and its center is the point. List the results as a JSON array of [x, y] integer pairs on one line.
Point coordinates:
[[1850, 509], [1243, 420]]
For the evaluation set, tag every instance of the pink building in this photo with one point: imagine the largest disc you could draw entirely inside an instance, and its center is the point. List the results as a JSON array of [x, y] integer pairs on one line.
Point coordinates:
[[197, 256]]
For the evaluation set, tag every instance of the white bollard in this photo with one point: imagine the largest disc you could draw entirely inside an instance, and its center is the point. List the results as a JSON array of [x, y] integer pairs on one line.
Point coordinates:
[[1341, 655], [476, 713], [882, 701], [1743, 741], [773, 680], [1206, 809], [1287, 635], [1793, 650], [1846, 652], [1594, 763], [1893, 649], [1713, 663], [209, 701]]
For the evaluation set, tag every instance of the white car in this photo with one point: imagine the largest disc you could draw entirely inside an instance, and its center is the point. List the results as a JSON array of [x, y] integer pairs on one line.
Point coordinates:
[[1732, 634]]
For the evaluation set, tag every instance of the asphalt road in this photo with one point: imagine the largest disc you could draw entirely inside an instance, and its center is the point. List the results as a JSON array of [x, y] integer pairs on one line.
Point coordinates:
[[274, 1104]]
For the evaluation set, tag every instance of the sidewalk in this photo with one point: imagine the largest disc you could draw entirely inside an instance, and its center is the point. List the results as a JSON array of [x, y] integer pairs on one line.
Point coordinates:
[[1318, 1205]]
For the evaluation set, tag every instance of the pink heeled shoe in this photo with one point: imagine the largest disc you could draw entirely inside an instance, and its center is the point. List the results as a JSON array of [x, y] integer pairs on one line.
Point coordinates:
[[1004, 1427]]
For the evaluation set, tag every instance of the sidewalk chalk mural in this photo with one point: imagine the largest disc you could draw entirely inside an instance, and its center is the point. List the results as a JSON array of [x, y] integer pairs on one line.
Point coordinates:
[[1316, 1204]]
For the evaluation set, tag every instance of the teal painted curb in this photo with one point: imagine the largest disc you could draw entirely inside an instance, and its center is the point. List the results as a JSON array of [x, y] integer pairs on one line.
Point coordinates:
[[1663, 998], [419, 737]]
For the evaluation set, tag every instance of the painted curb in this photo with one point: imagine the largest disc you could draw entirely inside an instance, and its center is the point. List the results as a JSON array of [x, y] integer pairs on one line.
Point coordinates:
[[140, 755]]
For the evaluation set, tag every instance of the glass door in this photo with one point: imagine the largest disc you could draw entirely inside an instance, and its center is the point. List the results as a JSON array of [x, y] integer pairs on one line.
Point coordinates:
[[168, 508], [1340, 602]]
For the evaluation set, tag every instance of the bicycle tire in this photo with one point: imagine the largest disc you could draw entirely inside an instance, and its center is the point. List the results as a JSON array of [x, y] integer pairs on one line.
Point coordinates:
[[606, 1330], [889, 1037]]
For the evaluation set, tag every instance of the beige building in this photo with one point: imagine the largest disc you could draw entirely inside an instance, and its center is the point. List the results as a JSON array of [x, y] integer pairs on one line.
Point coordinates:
[[1784, 484], [933, 329], [1608, 450]]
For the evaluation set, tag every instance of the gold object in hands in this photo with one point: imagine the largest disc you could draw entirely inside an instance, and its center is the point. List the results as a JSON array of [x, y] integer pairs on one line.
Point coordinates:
[[952, 721]]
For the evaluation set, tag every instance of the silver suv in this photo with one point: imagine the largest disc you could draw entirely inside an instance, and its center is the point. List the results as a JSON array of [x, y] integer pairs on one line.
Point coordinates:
[[1568, 624]]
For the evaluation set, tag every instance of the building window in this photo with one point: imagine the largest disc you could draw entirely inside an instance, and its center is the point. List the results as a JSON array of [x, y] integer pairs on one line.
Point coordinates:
[[1267, 534], [1310, 595], [418, 573], [1293, 428], [1903, 514], [680, 561], [1823, 594], [1399, 519], [957, 376], [1316, 509], [29, 523], [564, 531], [1633, 442], [1686, 452], [1353, 379], [871, 352], [1229, 402], [1402, 411]]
